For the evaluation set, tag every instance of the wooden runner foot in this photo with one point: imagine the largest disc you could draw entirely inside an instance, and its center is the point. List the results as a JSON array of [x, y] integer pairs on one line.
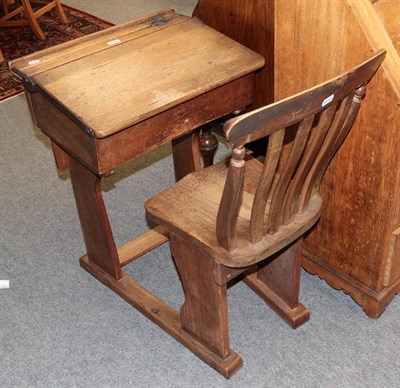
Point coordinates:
[[294, 317]]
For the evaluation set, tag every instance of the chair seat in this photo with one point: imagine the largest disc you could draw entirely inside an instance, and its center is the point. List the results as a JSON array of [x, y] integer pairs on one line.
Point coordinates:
[[200, 193]]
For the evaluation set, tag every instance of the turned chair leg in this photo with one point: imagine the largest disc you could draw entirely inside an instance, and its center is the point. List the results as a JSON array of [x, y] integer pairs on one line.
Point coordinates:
[[204, 314], [277, 282]]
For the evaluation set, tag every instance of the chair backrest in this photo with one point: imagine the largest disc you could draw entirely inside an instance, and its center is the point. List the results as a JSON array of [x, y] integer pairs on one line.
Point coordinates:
[[304, 132]]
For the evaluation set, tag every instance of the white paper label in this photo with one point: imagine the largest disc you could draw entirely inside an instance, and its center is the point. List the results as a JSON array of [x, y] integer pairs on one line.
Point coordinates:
[[328, 100], [113, 42]]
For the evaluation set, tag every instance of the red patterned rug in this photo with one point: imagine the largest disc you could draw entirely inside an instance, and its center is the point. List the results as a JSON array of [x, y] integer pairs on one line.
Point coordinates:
[[16, 42]]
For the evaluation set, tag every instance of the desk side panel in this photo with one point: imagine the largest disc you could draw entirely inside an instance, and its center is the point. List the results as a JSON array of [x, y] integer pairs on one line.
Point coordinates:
[[62, 131]]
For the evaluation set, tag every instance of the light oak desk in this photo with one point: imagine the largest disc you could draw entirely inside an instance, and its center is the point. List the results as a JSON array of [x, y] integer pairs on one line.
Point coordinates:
[[108, 97]]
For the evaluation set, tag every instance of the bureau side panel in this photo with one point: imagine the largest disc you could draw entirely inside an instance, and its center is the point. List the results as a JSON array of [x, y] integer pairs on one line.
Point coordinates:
[[251, 23]]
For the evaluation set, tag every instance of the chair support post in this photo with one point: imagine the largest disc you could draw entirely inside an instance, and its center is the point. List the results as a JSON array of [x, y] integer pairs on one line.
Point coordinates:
[[277, 282], [204, 313]]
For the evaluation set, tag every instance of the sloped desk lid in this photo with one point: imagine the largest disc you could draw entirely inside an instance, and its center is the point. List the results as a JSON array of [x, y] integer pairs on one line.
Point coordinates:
[[110, 80]]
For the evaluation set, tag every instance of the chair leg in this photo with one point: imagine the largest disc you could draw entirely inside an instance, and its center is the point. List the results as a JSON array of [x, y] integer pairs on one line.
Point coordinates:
[[30, 16], [5, 6], [277, 282], [60, 12], [204, 314]]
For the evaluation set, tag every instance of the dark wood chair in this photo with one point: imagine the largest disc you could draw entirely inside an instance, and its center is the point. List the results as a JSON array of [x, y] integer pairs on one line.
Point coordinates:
[[248, 217]]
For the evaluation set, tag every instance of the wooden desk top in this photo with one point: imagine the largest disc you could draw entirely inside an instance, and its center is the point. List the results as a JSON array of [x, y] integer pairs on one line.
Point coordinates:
[[113, 79]]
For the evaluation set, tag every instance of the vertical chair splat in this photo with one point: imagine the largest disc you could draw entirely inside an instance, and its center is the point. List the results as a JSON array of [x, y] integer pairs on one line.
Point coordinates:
[[276, 209], [260, 201], [317, 136], [342, 126]]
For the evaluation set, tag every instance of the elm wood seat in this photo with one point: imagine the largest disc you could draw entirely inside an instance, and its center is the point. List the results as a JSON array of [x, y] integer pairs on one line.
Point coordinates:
[[247, 217], [29, 16]]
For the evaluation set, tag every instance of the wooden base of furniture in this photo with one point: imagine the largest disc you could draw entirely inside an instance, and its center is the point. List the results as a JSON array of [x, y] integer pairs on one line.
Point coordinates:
[[169, 319], [163, 315], [373, 303]]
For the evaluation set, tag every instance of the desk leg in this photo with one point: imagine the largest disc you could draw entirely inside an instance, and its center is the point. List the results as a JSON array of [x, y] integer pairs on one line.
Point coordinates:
[[186, 154], [60, 158], [95, 225]]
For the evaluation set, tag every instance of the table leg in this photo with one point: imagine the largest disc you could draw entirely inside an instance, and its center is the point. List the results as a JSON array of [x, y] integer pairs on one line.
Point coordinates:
[[95, 224], [186, 154], [60, 157], [96, 228]]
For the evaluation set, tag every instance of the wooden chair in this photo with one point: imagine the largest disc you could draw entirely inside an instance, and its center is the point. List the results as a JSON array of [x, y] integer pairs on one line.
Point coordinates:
[[247, 217], [26, 16]]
